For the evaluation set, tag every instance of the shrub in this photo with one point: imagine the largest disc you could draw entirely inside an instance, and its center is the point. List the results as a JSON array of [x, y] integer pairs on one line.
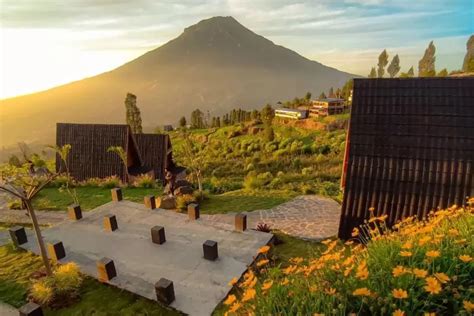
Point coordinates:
[[419, 267], [183, 201], [251, 182], [296, 163], [67, 278], [265, 178], [110, 182], [59, 181], [250, 167], [307, 189], [14, 205], [42, 292], [306, 171], [144, 181]]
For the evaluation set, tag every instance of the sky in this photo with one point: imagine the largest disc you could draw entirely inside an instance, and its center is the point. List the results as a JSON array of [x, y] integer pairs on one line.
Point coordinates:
[[50, 42]]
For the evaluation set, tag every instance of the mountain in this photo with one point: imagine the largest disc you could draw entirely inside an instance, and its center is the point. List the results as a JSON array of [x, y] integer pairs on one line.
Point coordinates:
[[216, 65]]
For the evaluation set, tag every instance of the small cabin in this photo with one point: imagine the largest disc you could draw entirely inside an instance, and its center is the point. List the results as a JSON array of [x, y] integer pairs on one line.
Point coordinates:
[[291, 113], [328, 106]]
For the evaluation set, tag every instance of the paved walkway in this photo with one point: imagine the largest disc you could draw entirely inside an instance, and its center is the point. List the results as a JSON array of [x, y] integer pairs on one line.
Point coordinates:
[[308, 216], [7, 310]]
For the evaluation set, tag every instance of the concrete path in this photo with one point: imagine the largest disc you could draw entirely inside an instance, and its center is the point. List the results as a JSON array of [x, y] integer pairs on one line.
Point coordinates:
[[308, 216], [7, 310], [21, 217]]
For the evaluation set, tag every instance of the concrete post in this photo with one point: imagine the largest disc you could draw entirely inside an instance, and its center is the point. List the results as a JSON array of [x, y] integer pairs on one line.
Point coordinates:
[[74, 212], [240, 222], [56, 250], [193, 211], [158, 235], [31, 309], [106, 269], [18, 235], [150, 202], [110, 223], [116, 194], [164, 291], [210, 250]]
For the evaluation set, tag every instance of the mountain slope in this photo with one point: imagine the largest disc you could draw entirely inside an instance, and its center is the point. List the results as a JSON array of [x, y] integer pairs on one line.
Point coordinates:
[[216, 65]]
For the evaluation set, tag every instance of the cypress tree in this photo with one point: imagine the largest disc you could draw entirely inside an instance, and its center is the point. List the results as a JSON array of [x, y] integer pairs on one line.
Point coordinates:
[[394, 66], [426, 65], [133, 116], [383, 61], [468, 64], [373, 73]]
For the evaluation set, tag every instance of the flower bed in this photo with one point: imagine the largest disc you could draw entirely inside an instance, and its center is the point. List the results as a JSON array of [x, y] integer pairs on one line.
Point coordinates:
[[418, 267]]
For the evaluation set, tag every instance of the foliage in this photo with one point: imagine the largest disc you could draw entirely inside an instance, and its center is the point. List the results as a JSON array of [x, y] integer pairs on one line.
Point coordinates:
[[421, 266], [263, 227], [383, 61], [144, 181], [426, 65], [394, 66], [182, 122], [468, 63], [442, 73], [63, 153], [373, 73], [409, 74], [133, 116], [182, 201], [122, 155]]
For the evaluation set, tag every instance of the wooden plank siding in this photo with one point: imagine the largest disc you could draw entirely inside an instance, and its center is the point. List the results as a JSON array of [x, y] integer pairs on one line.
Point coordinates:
[[154, 149], [411, 148]]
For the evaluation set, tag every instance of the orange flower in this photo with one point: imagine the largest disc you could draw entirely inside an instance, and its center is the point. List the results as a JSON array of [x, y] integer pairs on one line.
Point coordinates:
[[290, 269], [465, 258], [249, 294], [430, 314], [285, 281], [405, 253], [264, 249], [262, 262], [382, 218], [432, 254], [363, 291], [420, 273], [407, 245], [362, 273], [267, 285], [398, 312], [355, 232], [399, 293], [235, 307], [330, 291], [432, 285], [443, 278], [313, 288], [233, 281], [398, 271], [296, 260], [230, 299], [468, 305], [424, 240]]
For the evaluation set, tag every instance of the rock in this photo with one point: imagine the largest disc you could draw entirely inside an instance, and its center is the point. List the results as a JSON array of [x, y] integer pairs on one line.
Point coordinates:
[[182, 183], [166, 202], [184, 190]]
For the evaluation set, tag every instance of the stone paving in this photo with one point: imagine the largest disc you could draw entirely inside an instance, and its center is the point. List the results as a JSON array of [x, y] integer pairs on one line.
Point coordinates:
[[308, 216], [7, 310]]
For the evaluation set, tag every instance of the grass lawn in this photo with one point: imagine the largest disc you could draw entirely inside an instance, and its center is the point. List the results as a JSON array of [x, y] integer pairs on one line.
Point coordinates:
[[242, 201], [89, 197], [16, 267]]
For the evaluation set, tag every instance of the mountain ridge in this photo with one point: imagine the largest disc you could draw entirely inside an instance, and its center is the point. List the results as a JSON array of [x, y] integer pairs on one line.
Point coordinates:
[[216, 64]]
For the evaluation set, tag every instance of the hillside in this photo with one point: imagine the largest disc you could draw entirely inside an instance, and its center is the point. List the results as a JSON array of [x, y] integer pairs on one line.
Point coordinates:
[[216, 64]]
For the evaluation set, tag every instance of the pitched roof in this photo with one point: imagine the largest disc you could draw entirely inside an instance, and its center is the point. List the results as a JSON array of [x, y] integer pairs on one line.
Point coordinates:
[[410, 150], [89, 157], [155, 150]]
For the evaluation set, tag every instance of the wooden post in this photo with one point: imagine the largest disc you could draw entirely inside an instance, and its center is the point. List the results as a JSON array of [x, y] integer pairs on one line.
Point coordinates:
[[74, 212], [210, 250], [56, 250], [31, 309], [110, 223], [240, 222], [106, 269], [150, 202], [18, 235], [116, 194], [158, 235], [164, 290], [193, 211]]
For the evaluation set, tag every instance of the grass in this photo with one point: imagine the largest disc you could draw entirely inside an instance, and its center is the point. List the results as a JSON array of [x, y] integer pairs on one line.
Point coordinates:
[[16, 266], [89, 197], [242, 201]]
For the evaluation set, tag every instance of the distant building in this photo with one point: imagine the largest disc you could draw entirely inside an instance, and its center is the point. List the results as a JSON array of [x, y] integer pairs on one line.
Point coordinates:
[[328, 106], [291, 113], [168, 128]]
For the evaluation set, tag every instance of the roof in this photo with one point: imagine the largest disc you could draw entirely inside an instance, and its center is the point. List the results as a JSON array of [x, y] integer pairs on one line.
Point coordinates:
[[410, 148], [89, 157], [330, 100], [290, 110], [155, 150]]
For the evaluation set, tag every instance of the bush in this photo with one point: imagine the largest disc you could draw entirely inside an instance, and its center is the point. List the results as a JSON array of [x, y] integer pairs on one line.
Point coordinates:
[[144, 181], [419, 267], [306, 171], [183, 201], [42, 292], [59, 181], [110, 182], [307, 189], [14, 205]]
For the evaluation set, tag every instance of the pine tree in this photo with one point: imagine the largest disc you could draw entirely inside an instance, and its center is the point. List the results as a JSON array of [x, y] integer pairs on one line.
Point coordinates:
[[218, 122], [182, 122], [331, 92], [322, 96], [373, 73], [394, 66], [133, 117], [383, 61], [409, 74], [197, 120], [426, 65], [468, 64], [308, 96]]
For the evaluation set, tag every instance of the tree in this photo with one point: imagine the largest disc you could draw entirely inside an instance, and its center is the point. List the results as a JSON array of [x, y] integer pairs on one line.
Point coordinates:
[[373, 73], [182, 122], [331, 92], [347, 89], [25, 183], [63, 153], [426, 65], [394, 66], [409, 74], [133, 116], [308, 96], [122, 155], [383, 61], [322, 96], [197, 120], [443, 73], [267, 114], [468, 64]]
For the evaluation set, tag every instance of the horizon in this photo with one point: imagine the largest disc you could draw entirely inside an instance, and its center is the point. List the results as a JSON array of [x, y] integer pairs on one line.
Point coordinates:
[[83, 39]]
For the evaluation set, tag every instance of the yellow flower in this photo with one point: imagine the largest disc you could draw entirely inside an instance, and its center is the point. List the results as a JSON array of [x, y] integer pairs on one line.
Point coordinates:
[[355, 232], [407, 245], [230, 299], [453, 232], [264, 249], [468, 305], [363, 291], [330, 291], [398, 312], [313, 288], [405, 253], [420, 273], [465, 258], [290, 269], [430, 314], [432, 253], [233, 281], [349, 242], [460, 241], [443, 278], [235, 307], [262, 262], [382, 218], [326, 242], [362, 273], [285, 281], [398, 271], [267, 285], [399, 293], [296, 260], [249, 294], [432, 285], [424, 240]]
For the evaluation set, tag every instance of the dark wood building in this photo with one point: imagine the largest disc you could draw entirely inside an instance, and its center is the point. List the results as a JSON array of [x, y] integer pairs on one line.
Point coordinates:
[[410, 148]]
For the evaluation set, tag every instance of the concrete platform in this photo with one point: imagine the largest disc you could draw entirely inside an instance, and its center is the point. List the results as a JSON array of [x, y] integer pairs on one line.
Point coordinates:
[[199, 284]]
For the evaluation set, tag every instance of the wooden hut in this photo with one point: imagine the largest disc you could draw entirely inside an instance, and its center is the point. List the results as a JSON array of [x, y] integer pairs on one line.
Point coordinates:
[[410, 149]]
